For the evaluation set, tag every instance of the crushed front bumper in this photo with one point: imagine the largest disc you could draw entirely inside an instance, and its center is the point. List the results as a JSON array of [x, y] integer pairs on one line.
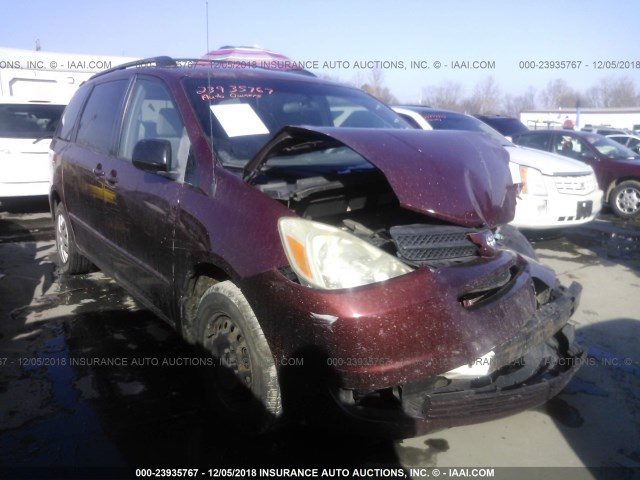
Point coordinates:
[[529, 369]]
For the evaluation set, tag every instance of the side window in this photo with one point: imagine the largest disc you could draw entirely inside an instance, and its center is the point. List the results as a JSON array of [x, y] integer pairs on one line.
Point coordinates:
[[71, 112], [540, 142], [152, 114], [572, 147], [99, 119]]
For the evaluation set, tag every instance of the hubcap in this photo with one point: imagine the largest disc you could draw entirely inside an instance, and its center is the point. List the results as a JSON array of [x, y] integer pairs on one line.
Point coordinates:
[[628, 200], [226, 341], [62, 239]]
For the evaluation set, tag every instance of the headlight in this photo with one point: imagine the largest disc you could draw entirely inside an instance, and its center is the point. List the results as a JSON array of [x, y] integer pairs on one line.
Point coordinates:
[[533, 181], [328, 258], [514, 168]]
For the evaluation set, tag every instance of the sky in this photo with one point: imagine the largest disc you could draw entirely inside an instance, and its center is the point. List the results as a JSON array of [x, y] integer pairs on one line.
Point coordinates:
[[472, 39]]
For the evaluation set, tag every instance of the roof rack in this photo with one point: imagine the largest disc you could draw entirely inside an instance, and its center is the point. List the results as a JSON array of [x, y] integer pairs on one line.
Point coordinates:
[[161, 61], [166, 61]]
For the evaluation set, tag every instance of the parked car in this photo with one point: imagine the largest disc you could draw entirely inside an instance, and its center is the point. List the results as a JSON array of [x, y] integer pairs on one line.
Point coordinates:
[[556, 192], [605, 130], [630, 141], [507, 126], [617, 167], [24, 155], [333, 272]]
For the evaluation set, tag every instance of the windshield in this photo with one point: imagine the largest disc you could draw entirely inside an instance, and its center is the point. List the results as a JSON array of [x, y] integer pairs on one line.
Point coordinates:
[[317, 158], [506, 125], [610, 148], [242, 115], [29, 120], [458, 121]]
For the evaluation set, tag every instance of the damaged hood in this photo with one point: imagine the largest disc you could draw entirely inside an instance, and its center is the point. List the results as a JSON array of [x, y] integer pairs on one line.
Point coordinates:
[[459, 177]]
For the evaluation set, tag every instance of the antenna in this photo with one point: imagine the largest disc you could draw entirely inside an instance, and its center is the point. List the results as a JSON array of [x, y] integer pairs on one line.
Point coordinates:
[[209, 87], [207, 15]]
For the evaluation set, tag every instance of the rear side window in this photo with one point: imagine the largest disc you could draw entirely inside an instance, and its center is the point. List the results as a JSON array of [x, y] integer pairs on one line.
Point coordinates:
[[70, 115], [29, 120], [100, 117], [540, 142]]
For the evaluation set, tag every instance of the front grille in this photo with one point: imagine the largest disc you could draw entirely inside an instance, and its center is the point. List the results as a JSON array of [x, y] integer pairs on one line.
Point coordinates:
[[434, 245], [580, 185]]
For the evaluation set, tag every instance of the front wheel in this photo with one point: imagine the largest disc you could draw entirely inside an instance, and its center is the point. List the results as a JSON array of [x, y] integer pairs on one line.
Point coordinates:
[[625, 199], [243, 382], [70, 261]]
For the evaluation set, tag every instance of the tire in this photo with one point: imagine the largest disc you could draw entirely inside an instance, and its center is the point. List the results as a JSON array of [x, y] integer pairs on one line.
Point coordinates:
[[513, 239], [243, 382], [625, 199], [70, 261]]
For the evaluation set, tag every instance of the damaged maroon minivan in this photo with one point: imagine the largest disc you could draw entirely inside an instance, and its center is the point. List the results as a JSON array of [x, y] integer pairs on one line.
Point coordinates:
[[336, 264]]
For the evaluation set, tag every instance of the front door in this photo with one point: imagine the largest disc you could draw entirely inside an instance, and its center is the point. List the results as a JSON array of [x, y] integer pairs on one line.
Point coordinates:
[[141, 207]]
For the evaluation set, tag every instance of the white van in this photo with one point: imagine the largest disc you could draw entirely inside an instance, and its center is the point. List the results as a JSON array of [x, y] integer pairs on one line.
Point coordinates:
[[26, 128], [34, 89]]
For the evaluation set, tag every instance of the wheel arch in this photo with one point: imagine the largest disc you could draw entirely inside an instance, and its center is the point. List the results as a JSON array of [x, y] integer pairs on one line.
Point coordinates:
[[54, 200], [201, 277], [615, 183]]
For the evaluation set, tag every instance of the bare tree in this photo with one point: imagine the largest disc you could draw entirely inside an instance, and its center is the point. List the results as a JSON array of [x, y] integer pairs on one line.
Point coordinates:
[[513, 106], [558, 94], [336, 79], [613, 93], [486, 98], [374, 85], [447, 95]]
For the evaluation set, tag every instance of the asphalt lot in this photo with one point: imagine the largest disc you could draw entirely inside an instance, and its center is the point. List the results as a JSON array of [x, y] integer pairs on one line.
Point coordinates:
[[146, 415]]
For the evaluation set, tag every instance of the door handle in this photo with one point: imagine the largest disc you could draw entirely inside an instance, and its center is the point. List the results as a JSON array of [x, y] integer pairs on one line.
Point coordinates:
[[113, 177], [98, 172]]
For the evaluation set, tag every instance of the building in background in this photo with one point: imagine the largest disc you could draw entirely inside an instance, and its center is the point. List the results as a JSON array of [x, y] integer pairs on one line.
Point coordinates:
[[621, 118]]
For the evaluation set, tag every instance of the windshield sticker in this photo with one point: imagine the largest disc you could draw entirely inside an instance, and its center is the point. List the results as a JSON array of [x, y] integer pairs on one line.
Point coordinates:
[[218, 92], [239, 119]]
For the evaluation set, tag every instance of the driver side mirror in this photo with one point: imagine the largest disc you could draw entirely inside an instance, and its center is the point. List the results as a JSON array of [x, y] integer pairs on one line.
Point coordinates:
[[152, 155], [588, 156]]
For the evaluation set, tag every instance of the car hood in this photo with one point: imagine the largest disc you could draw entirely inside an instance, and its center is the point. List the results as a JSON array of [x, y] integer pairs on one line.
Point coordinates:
[[459, 177], [548, 163]]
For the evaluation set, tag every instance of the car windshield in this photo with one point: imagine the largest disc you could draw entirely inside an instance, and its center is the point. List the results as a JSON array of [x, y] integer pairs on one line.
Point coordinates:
[[449, 121], [610, 148], [240, 116], [506, 126], [319, 159], [29, 120]]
